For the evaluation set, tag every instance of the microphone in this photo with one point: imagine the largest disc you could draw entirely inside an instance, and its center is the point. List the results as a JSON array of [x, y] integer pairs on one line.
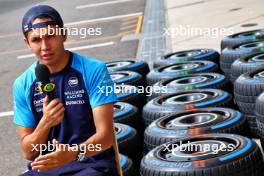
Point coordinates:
[[43, 74]]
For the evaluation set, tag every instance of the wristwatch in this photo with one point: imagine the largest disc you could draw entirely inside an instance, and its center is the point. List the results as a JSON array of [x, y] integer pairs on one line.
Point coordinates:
[[81, 154]]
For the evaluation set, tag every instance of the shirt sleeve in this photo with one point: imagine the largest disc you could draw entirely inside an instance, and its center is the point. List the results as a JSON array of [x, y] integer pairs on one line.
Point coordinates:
[[101, 87], [23, 115]]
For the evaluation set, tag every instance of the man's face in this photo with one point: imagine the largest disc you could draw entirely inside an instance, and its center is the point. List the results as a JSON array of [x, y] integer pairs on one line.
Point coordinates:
[[46, 43]]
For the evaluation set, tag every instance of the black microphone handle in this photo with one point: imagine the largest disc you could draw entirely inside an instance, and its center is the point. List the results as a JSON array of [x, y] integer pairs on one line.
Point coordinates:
[[51, 96]]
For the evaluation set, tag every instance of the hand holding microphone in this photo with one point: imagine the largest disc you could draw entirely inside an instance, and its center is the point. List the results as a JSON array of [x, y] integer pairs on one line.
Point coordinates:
[[53, 110]]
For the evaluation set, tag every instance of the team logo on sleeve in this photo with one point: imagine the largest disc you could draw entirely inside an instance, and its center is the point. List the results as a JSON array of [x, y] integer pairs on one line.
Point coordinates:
[[73, 81]]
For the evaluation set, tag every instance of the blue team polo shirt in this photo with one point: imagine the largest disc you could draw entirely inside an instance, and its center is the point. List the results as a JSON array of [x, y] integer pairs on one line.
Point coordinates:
[[80, 86]]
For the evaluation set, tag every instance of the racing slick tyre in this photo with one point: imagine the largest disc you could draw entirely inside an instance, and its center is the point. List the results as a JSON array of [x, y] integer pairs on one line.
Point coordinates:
[[190, 82], [247, 88], [188, 55], [247, 64], [216, 155], [127, 136], [129, 115], [260, 131], [140, 67], [180, 69], [229, 55], [259, 111], [127, 166], [127, 77], [194, 122], [126, 114], [132, 95], [185, 100], [253, 126], [241, 38]]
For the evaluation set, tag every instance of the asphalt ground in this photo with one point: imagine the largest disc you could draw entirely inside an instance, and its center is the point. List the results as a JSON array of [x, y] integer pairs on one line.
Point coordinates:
[[113, 19]]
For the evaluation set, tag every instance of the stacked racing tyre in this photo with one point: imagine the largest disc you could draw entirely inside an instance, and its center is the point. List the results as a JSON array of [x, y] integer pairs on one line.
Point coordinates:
[[259, 111], [229, 55], [127, 166], [242, 38], [247, 64], [128, 65], [126, 114], [127, 77], [180, 69], [246, 90], [208, 154], [129, 115], [186, 56], [190, 82], [185, 100], [127, 136], [131, 94], [191, 123]]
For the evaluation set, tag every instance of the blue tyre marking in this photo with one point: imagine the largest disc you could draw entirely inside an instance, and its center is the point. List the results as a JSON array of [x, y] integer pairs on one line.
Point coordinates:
[[234, 120], [136, 64], [121, 113], [204, 55], [128, 78], [211, 83], [245, 38], [210, 64], [123, 161], [225, 95], [235, 154], [125, 133]]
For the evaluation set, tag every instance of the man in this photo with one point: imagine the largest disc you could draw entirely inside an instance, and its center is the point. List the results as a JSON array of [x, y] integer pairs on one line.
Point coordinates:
[[72, 134]]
